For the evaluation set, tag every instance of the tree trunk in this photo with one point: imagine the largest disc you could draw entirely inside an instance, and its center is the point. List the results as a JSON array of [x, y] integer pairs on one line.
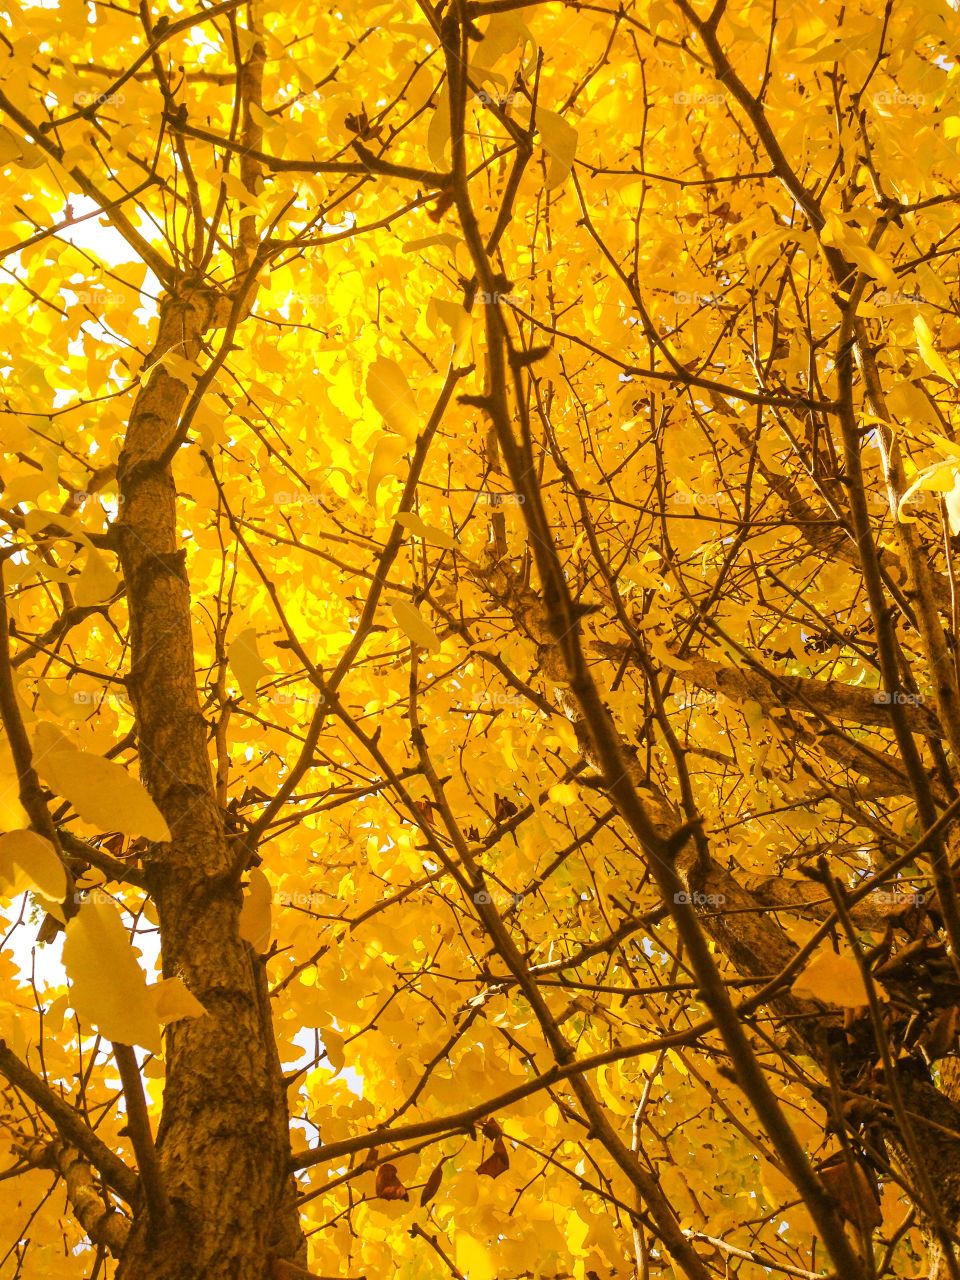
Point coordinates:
[[223, 1141]]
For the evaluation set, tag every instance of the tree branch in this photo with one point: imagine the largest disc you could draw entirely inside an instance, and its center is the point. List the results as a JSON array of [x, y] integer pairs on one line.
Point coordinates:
[[71, 1127]]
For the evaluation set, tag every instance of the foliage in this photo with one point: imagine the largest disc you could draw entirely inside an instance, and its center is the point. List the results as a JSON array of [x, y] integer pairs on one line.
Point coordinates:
[[560, 402]]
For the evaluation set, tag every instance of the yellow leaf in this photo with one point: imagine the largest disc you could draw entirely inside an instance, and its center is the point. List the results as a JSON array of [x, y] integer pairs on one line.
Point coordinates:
[[928, 352], [563, 793], [758, 247], [246, 663], [173, 1001], [473, 1258], [609, 1094], [387, 455], [103, 793], [560, 142], [108, 988], [13, 816], [260, 117], [10, 146], [503, 33], [28, 861], [667, 659], [833, 977], [438, 134], [452, 316], [96, 581], [941, 477], [952, 502], [428, 532], [425, 242], [175, 366], [390, 392], [255, 915], [334, 1047], [410, 620], [854, 247]]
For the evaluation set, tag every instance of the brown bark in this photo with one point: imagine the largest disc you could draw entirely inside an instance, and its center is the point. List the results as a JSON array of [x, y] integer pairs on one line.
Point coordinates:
[[223, 1140], [103, 1224]]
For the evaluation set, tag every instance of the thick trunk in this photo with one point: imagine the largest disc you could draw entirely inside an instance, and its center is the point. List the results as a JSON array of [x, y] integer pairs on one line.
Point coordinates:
[[223, 1140]]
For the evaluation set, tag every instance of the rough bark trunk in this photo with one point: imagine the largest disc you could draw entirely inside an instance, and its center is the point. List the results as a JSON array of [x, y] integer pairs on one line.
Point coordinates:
[[223, 1140]]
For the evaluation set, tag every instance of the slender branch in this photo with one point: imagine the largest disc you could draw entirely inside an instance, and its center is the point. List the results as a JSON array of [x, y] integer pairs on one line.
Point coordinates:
[[368, 162], [138, 1127], [416, 1230], [69, 1124], [31, 793], [104, 1226]]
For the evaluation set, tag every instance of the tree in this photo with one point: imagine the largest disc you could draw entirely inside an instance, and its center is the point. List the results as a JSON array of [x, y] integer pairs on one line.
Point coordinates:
[[478, 657]]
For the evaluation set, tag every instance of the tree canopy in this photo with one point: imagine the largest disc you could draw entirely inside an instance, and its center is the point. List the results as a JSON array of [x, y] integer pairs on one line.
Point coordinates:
[[478, 660]]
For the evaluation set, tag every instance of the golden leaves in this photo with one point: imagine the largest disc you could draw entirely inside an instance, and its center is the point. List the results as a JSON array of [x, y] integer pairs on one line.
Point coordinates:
[[928, 352], [256, 913], [852, 244], [411, 621], [559, 139], [18, 151], [835, 978], [173, 1001], [246, 663], [108, 987], [428, 532], [387, 455], [102, 792], [432, 1184], [326, 388], [28, 861], [96, 582], [388, 388]]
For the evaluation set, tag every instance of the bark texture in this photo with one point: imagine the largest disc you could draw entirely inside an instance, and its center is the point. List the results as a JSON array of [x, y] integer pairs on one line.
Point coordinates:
[[223, 1142]]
